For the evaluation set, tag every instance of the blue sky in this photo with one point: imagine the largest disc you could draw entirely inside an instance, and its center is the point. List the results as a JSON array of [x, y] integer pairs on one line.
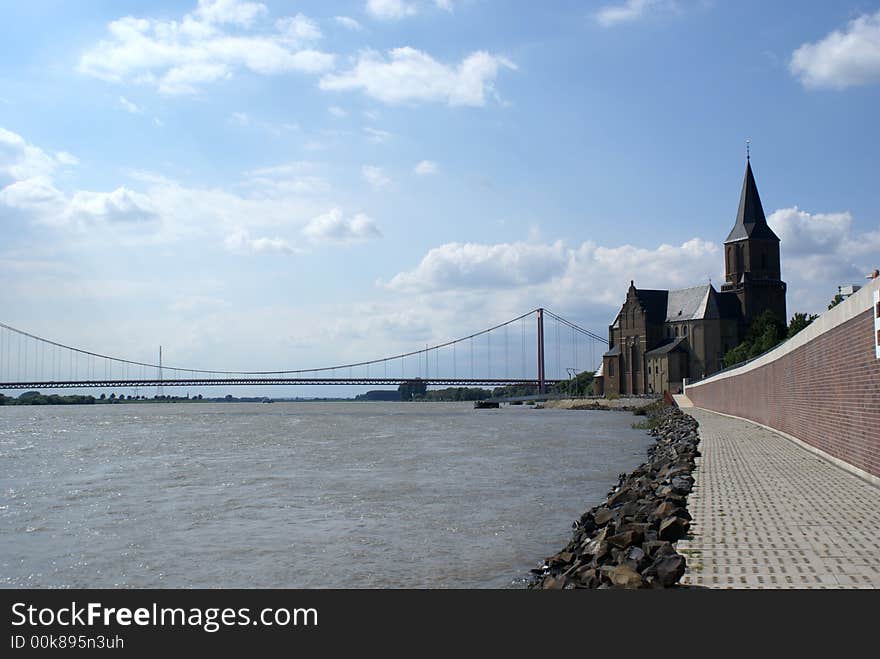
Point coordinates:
[[284, 184]]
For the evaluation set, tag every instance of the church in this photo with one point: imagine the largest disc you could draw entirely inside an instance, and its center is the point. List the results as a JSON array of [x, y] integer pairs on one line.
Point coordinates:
[[661, 337]]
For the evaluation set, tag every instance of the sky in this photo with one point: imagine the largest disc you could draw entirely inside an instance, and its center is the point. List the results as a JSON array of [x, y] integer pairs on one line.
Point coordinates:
[[281, 184]]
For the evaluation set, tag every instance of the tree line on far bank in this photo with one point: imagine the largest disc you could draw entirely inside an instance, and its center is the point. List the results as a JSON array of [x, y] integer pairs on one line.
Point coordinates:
[[417, 390]]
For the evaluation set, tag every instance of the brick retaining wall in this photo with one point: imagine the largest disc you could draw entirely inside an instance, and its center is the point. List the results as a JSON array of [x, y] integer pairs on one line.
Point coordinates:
[[823, 389]]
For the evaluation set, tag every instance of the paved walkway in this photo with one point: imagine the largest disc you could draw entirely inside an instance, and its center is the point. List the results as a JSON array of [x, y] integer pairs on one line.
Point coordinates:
[[769, 514]]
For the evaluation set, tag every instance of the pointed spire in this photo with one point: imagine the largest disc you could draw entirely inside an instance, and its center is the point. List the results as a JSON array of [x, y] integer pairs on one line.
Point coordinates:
[[750, 220]]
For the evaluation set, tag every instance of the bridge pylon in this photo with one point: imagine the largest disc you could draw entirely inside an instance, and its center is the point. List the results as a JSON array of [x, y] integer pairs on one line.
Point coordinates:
[[542, 386]]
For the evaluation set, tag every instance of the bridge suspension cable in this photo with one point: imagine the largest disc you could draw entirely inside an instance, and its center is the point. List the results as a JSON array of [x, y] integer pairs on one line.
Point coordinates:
[[26, 358]]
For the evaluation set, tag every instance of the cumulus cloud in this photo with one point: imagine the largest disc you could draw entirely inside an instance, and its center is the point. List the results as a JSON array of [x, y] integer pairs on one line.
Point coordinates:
[[35, 194], [629, 11], [407, 75], [425, 168], [375, 176], [121, 205], [471, 265], [240, 241], [821, 251], [234, 12], [390, 9], [178, 57], [41, 200], [334, 227], [595, 270], [20, 160], [844, 58]]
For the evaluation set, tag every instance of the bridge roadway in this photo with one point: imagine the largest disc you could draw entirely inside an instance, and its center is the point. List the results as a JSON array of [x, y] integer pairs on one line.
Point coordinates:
[[218, 382]]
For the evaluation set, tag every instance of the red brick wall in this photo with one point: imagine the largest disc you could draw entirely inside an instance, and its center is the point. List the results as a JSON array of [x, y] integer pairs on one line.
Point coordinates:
[[825, 392]]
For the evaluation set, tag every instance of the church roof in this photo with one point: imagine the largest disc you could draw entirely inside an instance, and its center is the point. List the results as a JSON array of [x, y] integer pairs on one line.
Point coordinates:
[[673, 345], [750, 220], [696, 303]]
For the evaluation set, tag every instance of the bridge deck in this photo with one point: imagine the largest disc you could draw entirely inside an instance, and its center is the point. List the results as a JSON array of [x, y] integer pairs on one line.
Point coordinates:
[[218, 382]]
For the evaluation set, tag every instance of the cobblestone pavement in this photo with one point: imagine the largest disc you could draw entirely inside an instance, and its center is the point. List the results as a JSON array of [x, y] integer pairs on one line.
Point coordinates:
[[769, 514]]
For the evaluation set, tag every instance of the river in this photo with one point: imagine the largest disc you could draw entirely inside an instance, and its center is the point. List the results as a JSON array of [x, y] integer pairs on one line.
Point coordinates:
[[320, 495]]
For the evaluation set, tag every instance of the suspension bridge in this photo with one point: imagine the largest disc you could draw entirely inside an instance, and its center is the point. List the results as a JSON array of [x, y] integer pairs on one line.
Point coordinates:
[[520, 351]]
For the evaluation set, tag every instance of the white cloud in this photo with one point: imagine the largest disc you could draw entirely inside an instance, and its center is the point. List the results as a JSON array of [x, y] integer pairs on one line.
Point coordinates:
[[241, 242], [178, 57], [20, 160], [333, 227], [805, 233], [298, 30], [375, 176], [43, 202], [235, 12], [348, 23], [445, 5], [128, 106], [337, 111], [36, 194], [843, 58], [376, 136], [631, 10], [425, 168], [121, 205], [390, 9], [819, 252], [410, 75], [471, 265]]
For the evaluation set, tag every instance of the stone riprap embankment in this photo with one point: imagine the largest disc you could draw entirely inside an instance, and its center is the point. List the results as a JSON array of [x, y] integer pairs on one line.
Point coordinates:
[[628, 541]]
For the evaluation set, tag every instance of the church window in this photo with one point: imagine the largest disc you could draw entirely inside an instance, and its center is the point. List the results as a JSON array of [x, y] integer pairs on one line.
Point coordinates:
[[684, 330], [611, 369]]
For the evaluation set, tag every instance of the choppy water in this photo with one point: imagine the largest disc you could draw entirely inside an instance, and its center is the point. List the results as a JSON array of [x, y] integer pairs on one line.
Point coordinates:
[[297, 494]]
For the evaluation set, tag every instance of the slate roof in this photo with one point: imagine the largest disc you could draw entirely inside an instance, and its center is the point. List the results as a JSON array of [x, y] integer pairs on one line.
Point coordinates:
[[750, 220], [673, 345], [694, 303]]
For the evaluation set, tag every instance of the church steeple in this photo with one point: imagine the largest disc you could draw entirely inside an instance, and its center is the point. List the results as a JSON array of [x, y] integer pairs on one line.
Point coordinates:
[[751, 257], [750, 220]]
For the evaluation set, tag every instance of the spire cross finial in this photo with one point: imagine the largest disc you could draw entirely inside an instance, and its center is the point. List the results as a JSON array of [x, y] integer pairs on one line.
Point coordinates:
[[748, 149]]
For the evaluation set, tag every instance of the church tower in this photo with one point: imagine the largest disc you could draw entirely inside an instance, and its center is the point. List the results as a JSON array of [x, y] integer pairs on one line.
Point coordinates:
[[751, 258]]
